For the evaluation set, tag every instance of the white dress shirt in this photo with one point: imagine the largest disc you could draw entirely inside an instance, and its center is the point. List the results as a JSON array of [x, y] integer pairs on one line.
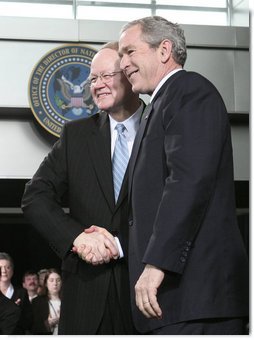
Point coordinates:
[[131, 124], [9, 291], [163, 80]]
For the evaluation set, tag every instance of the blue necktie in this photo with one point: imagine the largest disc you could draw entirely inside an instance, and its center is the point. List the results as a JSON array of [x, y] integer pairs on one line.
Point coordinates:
[[120, 159]]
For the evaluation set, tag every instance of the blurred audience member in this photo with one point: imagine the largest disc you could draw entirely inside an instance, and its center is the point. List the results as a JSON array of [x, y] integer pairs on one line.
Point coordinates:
[[41, 273], [16, 294], [9, 315], [46, 306], [30, 282]]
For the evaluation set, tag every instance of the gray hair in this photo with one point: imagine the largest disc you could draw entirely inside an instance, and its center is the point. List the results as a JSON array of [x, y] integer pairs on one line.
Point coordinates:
[[7, 257], [155, 29], [112, 45]]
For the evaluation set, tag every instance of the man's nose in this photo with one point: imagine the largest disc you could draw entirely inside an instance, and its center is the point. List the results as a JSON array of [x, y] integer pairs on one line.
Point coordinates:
[[123, 62]]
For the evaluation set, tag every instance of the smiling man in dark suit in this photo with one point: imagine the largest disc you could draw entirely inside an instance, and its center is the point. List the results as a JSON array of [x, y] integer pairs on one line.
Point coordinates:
[[186, 257], [95, 299]]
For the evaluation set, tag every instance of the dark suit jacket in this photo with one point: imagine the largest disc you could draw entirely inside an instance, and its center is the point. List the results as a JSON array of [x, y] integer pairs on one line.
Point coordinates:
[[183, 208], [9, 315], [80, 164], [40, 307], [25, 321]]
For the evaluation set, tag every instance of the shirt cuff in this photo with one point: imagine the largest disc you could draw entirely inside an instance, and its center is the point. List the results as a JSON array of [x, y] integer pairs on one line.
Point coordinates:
[[119, 247]]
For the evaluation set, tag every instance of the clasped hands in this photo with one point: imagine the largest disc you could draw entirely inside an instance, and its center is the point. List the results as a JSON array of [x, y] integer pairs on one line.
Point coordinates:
[[96, 246], [53, 321]]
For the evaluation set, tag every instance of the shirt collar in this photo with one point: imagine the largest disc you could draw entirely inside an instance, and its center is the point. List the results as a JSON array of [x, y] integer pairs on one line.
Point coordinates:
[[163, 80], [9, 291], [131, 123]]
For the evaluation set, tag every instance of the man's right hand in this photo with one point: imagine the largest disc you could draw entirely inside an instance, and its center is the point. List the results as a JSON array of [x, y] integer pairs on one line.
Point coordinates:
[[96, 246]]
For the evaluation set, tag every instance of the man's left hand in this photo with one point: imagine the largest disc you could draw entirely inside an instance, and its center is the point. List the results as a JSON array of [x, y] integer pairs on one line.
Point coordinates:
[[146, 291]]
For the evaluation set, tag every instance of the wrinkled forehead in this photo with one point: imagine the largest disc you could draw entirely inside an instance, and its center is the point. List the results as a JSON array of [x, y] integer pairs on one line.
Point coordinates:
[[5, 263], [129, 38]]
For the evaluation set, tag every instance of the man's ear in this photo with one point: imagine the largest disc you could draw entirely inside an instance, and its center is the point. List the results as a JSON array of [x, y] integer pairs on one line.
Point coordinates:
[[165, 50]]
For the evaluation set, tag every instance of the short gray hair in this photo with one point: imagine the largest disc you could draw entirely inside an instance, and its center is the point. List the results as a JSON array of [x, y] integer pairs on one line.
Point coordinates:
[[155, 29], [112, 45], [7, 257]]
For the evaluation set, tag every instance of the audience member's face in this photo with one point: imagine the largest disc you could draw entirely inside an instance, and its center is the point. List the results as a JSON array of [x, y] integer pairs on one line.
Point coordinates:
[[140, 62], [42, 278], [6, 271], [31, 283], [54, 283], [111, 95]]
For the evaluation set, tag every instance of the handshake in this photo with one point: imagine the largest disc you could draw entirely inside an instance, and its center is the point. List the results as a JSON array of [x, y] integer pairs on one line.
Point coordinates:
[[96, 245]]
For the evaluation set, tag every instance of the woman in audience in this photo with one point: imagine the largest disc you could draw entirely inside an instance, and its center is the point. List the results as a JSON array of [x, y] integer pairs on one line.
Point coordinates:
[[46, 306]]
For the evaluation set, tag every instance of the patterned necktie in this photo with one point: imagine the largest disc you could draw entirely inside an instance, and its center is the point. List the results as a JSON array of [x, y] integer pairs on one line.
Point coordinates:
[[120, 159]]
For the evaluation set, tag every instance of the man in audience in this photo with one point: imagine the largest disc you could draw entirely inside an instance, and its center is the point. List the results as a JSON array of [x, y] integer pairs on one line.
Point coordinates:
[[9, 314], [31, 283], [17, 295]]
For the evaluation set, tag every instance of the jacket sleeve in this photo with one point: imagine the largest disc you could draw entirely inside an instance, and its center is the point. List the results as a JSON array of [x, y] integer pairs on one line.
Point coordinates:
[[196, 131], [41, 202]]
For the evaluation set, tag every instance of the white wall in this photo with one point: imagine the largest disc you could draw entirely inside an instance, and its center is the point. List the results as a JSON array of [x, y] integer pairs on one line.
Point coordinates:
[[218, 53]]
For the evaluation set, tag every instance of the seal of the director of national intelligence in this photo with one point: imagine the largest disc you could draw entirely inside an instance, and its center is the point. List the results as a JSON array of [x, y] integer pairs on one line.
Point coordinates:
[[58, 87]]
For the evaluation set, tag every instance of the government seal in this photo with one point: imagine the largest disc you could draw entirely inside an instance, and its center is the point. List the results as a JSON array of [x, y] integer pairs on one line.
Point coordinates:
[[58, 87]]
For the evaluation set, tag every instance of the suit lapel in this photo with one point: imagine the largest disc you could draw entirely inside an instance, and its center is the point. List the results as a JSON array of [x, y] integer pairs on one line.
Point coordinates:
[[143, 124], [100, 146], [124, 189], [138, 139]]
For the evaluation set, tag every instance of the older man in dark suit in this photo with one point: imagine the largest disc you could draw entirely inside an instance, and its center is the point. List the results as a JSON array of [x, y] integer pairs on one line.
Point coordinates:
[[186, 257], [95, 299]]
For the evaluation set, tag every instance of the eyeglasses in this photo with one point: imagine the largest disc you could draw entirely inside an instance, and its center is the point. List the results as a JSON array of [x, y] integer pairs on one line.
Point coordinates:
[[104, 77]]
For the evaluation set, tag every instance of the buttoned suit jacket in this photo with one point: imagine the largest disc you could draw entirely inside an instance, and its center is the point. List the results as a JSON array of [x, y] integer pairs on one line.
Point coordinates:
[[80, 164], [183, 217]]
